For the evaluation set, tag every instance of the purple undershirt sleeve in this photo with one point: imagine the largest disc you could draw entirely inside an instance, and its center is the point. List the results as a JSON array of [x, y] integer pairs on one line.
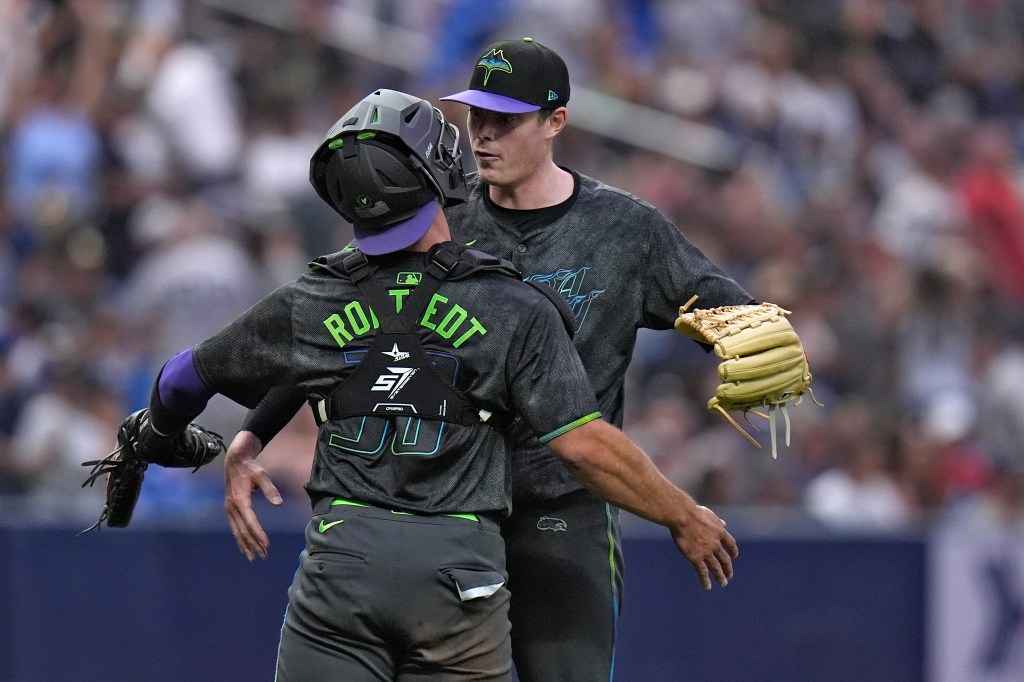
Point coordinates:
[[179, 395]]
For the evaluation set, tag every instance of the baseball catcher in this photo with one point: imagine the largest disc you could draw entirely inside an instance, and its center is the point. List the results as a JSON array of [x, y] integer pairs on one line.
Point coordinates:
[[138, 445], [763, 362]]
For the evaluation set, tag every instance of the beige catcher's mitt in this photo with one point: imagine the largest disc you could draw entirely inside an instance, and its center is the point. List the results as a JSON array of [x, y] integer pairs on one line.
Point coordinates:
[[763, 362]]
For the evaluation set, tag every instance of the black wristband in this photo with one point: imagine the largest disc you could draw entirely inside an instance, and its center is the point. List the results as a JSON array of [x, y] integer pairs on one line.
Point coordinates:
[[163, 421]]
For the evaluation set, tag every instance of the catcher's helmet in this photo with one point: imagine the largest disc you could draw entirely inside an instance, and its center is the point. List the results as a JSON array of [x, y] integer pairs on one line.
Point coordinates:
[[391, 154]]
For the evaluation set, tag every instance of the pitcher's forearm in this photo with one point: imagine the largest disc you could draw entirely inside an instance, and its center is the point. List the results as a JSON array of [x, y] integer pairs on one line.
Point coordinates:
[[611, 466]]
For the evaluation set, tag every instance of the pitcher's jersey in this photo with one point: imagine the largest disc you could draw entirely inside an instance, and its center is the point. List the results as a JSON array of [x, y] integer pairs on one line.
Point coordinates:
[[621, 265], [499, 341]]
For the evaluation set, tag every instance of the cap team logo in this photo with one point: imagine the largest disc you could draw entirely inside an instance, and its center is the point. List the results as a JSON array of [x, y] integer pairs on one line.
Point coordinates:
[[493, 61]]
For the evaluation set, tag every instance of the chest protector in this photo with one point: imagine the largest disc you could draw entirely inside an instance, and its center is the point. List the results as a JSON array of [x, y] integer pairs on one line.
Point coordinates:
[[396, 376]]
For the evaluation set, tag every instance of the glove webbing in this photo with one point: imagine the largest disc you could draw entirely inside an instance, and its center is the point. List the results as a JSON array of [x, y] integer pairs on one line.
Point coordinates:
[[110, 465], [773, 410]]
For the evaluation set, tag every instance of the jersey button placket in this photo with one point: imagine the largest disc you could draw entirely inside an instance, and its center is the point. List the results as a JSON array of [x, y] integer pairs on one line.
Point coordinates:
[[521, 248]]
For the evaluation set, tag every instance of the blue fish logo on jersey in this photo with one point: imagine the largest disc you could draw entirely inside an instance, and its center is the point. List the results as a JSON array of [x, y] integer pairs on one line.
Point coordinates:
[[569, 283], [493, 61]]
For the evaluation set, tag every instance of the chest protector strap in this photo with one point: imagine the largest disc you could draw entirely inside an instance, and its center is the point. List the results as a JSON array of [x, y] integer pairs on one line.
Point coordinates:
[[396, 377]]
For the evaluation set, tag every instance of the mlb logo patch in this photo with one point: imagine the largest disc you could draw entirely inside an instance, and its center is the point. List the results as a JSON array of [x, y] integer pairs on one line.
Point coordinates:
[[409, 278]]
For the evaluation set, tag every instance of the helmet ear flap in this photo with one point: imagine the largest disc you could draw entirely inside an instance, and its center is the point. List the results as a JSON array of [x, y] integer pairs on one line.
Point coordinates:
[[456, 176], [335, 193], [449, 161]]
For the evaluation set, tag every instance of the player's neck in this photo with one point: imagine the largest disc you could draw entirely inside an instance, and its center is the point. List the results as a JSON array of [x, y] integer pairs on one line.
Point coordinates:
[[437, 233], [548, 186]]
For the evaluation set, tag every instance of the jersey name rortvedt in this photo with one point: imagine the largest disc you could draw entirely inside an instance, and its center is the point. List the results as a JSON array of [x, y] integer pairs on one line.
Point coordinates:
[[449, 320]]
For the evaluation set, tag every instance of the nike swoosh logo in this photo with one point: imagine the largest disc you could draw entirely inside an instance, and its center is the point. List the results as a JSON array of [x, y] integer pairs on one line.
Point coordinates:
[[325, 526], [471, 243]]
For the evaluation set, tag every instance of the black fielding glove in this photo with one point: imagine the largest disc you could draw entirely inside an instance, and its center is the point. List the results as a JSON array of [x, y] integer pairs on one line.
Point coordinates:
[[138, 445]]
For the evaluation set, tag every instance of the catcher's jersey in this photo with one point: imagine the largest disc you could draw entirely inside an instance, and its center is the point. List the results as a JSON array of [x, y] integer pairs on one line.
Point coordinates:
[[499, 341], [621, 265]]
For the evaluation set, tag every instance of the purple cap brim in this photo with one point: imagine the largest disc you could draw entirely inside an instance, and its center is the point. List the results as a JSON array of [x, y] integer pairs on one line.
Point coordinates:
[[399, 236], [491, 102]]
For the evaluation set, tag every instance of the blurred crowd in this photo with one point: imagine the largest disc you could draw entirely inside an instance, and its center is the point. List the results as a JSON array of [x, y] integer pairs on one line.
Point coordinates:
[[154, 185]]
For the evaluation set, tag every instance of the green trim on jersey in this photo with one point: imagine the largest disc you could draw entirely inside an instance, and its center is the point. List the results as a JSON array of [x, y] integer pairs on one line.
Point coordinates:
[[339, 501], [350, 503], [613, 574], [569, 427]]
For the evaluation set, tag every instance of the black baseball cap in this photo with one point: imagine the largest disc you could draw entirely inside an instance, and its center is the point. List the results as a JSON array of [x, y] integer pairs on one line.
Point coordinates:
[[516, 77]]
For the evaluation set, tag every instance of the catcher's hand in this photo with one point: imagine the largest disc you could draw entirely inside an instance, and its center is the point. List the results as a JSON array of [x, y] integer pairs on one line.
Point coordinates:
[[763, 362], [138, 445]]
